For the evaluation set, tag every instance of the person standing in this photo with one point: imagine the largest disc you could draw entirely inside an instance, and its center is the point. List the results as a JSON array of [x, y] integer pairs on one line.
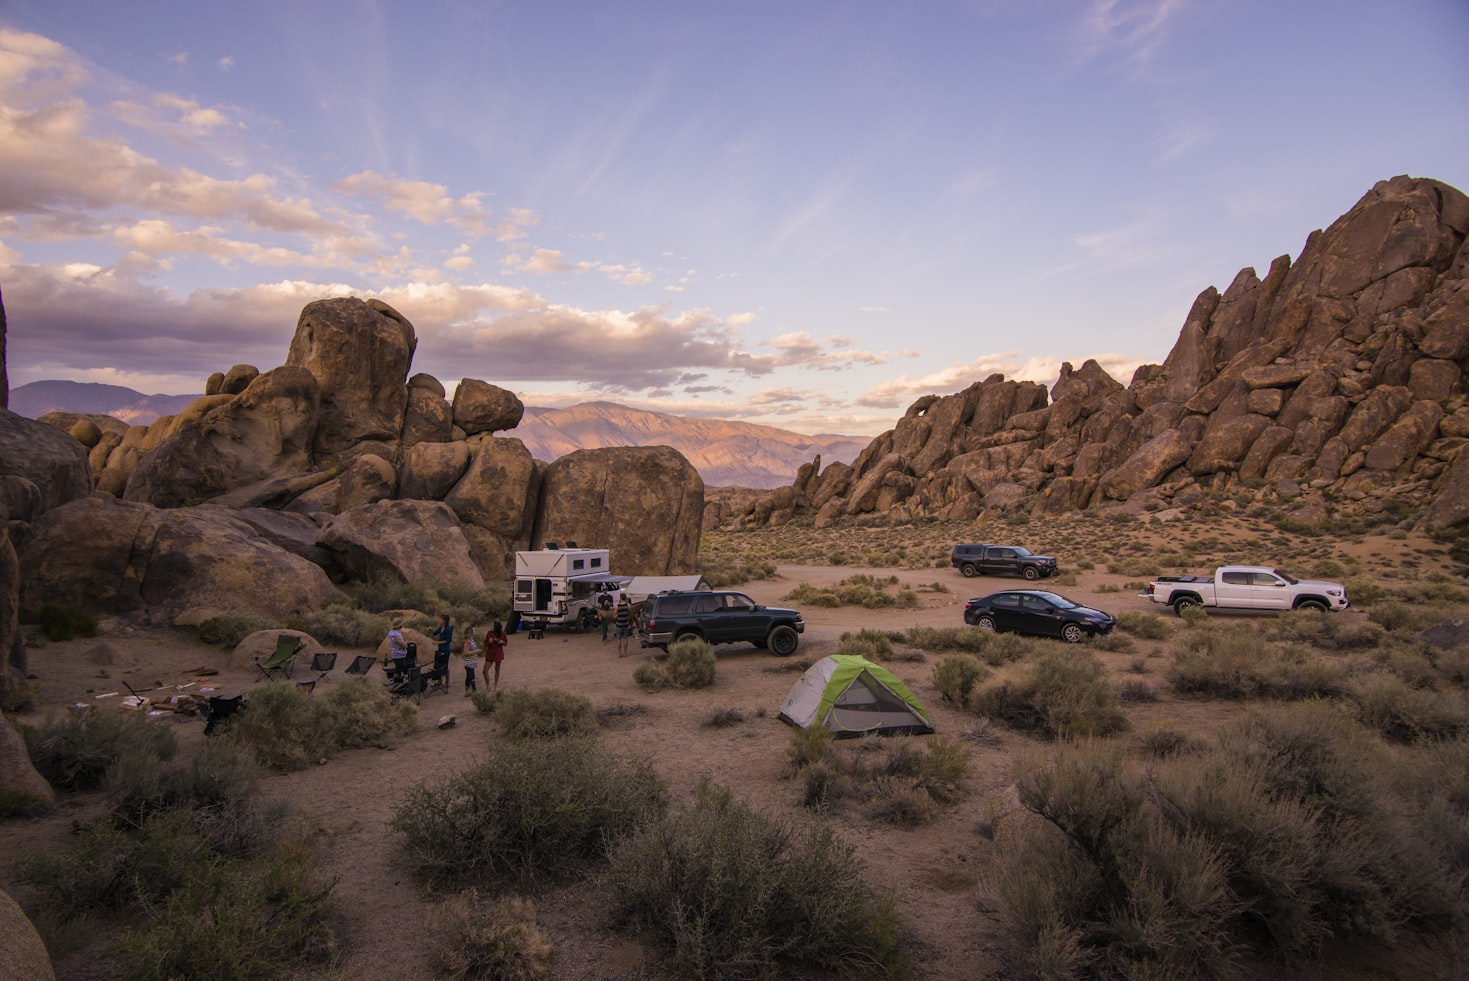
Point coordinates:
[[397, 646], [470, 656], [604, 612], [496, 641], [623, 621], [444, 634]]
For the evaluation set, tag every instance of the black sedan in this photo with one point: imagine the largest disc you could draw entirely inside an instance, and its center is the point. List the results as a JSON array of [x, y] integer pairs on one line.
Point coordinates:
[[1036, 611]]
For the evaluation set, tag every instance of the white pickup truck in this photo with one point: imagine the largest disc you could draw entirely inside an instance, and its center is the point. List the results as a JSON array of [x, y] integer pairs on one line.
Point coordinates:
[[1246, 587]]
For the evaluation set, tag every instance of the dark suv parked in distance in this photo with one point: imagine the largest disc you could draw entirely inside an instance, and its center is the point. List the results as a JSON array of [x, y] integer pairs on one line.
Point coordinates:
[[1001, 560], [719, 618]]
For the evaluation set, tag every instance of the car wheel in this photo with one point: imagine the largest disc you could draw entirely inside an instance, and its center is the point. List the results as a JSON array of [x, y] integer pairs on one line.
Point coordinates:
[[687, 634], [1072, 634], [782, 641], [1031, 572], [1184, 603], [1311, 604], [969, 570], [985, 623]]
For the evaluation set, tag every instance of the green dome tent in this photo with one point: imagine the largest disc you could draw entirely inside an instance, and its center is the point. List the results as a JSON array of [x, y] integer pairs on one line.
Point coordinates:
[[851, 696]]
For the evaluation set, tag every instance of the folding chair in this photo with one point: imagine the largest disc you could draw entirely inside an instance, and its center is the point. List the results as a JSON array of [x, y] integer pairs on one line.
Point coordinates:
[[280, 664], [322, 662], [411, 686], [360, 666], [217, 712], [436, 679]]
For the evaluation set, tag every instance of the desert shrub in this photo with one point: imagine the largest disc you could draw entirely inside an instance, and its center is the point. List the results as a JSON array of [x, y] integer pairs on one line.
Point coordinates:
[[493, 938], [485, 703], [536, 811], [956, 675], [228, 629], [1108, 587], [862, 590], [288, 729], [1399, 617], [1149, 626], [724, 718], [690, 664], [875, 645], [344, 626], [733, 893], [383, 590], [1404, 714], [1136, 691], [722, 573], [1454, 664], [247, 920], [545, 713], [896, 779], [1116, 642], [1163, 741], [991, 648], [61, 622], [1062, 694], [1233, 661], [1091, 886], [1133, 567], [809, 745], [1364, 590], [75, 752]]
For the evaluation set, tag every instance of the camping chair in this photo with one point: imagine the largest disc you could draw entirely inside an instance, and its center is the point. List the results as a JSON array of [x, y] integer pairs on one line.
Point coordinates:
[[410, 686], [322, 662], [436, 679], [360, 666], [217, 712], [280, 664], [398, 670]]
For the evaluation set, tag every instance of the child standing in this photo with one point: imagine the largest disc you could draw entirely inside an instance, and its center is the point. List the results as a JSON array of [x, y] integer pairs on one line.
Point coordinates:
[[495, 643], [471, 660]]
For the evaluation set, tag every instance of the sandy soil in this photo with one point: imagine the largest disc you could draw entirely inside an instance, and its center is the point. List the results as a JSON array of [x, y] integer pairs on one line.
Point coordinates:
[[937, 871]]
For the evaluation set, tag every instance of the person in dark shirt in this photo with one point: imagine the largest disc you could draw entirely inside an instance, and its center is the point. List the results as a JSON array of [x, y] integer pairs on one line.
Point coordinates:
[[622, 619]]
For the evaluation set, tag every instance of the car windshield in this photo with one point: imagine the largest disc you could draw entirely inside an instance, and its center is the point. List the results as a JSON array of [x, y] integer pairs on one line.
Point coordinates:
[[1058, 600], [1287, 578]]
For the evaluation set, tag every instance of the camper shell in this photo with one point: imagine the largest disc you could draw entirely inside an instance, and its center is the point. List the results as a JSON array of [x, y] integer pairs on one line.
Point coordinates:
[[559, 586]]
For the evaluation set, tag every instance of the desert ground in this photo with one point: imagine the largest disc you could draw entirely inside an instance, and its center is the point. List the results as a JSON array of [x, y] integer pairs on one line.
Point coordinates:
[[937, 870]]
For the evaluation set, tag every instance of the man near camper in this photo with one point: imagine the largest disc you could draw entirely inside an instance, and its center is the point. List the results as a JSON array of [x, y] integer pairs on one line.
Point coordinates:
[[604, 611], [623, 620]]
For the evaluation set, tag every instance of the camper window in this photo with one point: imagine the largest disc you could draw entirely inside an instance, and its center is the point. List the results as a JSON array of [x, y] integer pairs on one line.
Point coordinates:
[[578, 564]]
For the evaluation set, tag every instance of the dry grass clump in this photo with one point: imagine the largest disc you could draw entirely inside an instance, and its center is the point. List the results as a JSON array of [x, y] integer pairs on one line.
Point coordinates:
[[875, 645], [1144, 624], [1232, 660], [1405, 714], [899, 779], [993, 649], [690, 664], [228, 629], [733, 893], [723, 572], [862, 590], [956, 675], [75, 752], [464, 604], [1063, 693], [488, 938], [536, 811]]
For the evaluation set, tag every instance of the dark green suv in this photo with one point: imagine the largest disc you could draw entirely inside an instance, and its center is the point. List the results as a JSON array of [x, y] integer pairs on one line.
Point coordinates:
[[719, 618]]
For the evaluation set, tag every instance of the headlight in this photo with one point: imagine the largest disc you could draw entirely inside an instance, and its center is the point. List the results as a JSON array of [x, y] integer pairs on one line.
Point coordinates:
[[1334, 592]]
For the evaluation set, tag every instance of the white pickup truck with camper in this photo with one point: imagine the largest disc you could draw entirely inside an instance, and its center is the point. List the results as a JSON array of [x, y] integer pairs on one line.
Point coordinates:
[[1246, 587], [559, 586]]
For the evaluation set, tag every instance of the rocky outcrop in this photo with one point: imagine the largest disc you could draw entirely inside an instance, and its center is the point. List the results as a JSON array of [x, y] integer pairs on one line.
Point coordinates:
[[40, 467], [19, 781], [643, 503], [1336, 379], [118, 557], [413, 540], [23, 955], [480, 407]]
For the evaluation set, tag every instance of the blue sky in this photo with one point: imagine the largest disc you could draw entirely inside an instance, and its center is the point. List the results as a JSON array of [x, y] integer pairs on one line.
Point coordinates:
[[800, 214]]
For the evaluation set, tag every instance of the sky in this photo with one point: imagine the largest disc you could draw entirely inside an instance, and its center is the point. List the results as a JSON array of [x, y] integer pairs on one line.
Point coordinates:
[[804, 215]]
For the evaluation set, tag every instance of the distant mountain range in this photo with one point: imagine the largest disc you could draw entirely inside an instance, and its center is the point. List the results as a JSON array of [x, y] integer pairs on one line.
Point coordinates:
[[726, 454]]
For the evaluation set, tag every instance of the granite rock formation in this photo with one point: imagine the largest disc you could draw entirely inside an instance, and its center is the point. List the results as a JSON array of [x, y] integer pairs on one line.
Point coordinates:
[[1335, 382]]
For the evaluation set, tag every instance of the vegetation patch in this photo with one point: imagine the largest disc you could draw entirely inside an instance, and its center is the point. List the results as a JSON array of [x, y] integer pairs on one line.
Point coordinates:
[[537, 811], [228, 629], [75, 752], [545, 713], [288, 729], [60, 622], [494, 937], [956, 675], [733, 893], [863, 590], [1064, 693], [690, 664]]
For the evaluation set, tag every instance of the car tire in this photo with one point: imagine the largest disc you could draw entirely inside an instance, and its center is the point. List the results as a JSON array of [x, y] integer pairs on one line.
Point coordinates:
[[782, 641], [985, 623], [1072, 634], [1184, 603], [685, 635], [969, 570], [1031, 573], [1312, 604]]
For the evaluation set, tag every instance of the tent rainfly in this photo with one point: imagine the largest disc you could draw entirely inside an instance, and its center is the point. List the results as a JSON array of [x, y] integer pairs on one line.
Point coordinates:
[[851, 696]]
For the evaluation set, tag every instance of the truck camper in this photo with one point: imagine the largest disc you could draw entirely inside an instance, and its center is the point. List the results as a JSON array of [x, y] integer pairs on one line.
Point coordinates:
[[559, 586]]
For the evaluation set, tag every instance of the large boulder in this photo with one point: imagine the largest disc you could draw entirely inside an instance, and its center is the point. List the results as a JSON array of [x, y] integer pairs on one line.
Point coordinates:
[[360, 352], [264, 432], [37, 454], [645, 504], [112, 557], [1148, 465], [496, 501], [366, 480], [23, 955], [430, 470], [413, 540], [20, 783], [480, 407]]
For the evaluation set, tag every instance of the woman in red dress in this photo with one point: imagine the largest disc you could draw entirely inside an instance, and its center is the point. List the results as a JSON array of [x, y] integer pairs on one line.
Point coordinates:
[[495, 643]]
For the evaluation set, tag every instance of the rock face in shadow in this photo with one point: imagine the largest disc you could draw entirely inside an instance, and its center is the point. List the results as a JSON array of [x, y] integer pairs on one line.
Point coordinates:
[[643, 503], [1339, 379]]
